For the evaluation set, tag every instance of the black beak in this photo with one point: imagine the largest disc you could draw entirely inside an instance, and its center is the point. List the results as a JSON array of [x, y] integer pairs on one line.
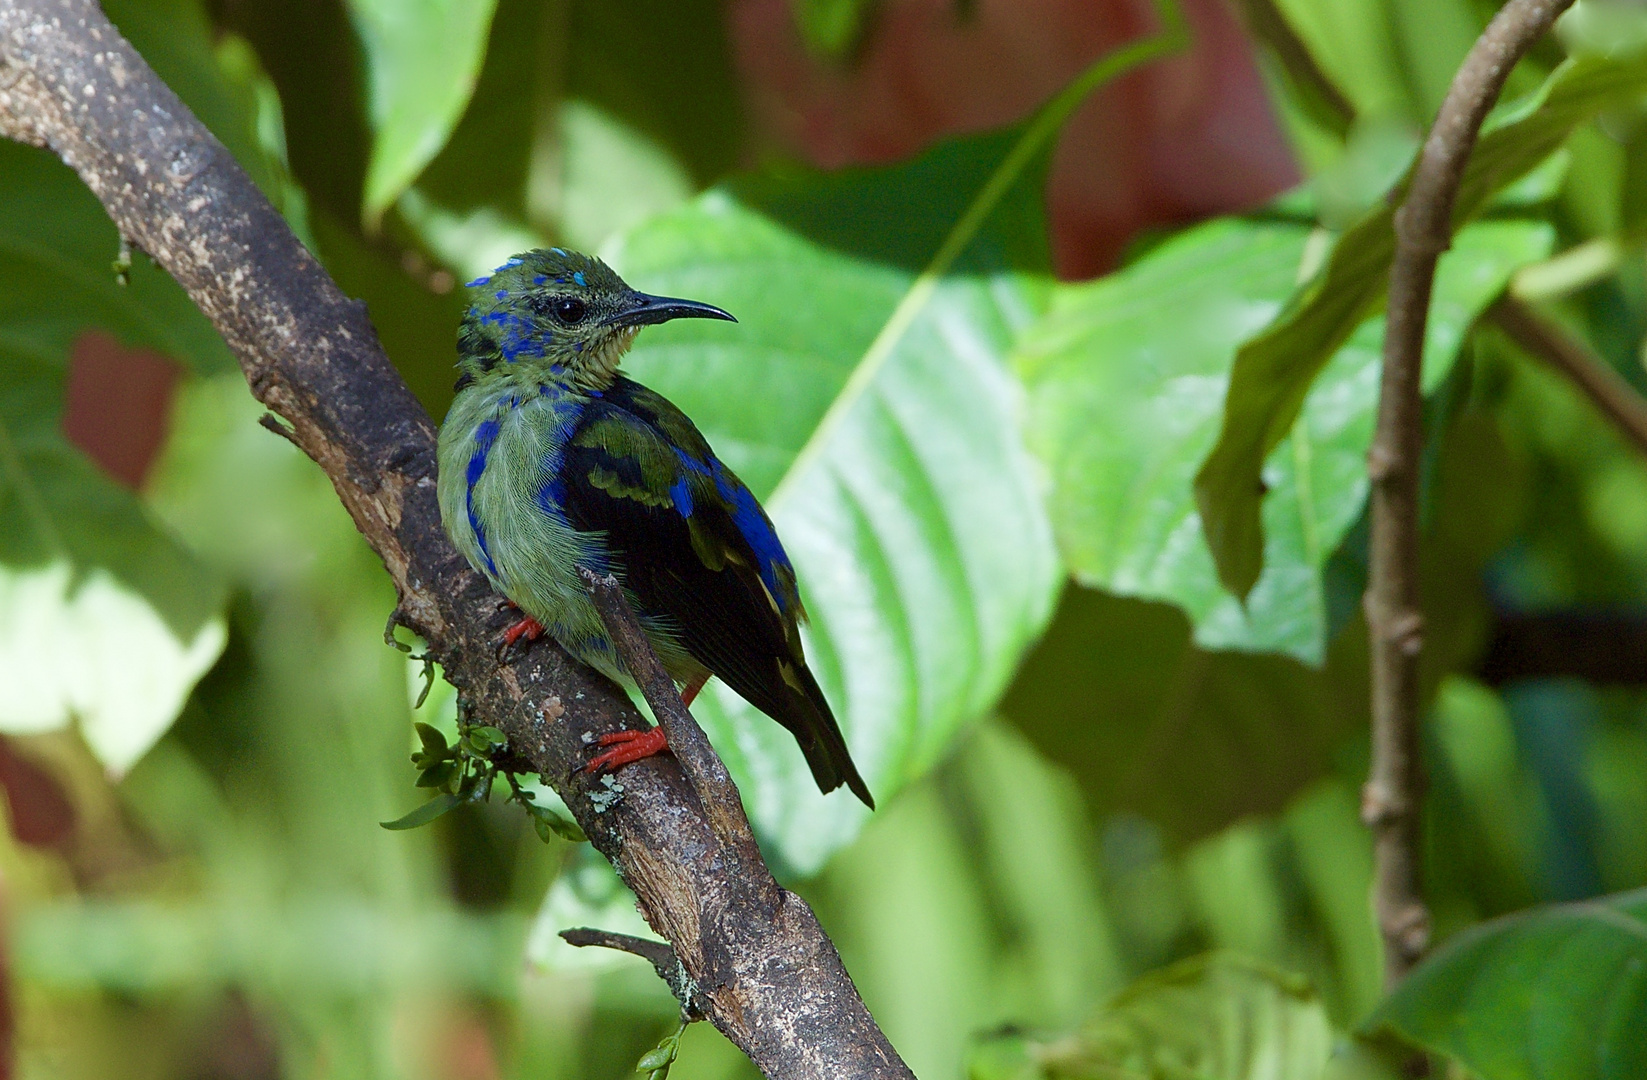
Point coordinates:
[[645, 310]]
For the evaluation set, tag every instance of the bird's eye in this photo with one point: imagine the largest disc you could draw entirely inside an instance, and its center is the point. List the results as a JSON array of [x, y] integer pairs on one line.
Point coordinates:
[[569, 309]]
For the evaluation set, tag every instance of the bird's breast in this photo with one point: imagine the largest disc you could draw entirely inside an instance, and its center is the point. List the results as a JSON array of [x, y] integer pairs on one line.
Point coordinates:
[[502, 495]]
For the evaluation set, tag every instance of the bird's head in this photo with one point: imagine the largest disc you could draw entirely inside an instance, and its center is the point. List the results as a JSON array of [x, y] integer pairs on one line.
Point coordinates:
[[557, 315]]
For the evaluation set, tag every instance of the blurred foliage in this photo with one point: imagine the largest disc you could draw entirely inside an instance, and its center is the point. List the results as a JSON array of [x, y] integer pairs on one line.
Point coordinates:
[[1119, 831]]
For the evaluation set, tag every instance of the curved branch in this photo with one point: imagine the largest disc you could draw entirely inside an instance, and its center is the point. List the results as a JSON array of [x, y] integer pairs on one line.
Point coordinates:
[[763, 970], [1423, 229]]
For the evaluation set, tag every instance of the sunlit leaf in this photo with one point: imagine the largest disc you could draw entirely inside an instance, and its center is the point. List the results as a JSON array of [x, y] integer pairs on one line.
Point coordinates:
[[1218, 1015], [1557, 992], [1127, 379], [893, 470], [422, 57], [1352, 42], [103, 619], [613, 176], [1275, 369]]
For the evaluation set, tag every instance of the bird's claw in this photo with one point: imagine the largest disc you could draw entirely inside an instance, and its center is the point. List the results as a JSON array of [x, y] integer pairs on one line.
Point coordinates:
[[627, 746], [528, 628]]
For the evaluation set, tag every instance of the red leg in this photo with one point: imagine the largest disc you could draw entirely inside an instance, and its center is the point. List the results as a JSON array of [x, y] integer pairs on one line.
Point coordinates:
[[628, 746], [528, 628], [690, 690]]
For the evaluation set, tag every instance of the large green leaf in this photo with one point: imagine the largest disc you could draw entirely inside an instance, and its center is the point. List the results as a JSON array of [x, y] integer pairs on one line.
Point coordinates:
[[889, 460], [1275, 369], [1117, 693], [1127, 377], [423, 57], [104, 619], [1218, 1015], [1558, 992]]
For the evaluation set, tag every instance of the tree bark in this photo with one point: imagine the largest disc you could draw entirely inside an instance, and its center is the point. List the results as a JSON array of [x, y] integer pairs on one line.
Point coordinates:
[[759, 965]]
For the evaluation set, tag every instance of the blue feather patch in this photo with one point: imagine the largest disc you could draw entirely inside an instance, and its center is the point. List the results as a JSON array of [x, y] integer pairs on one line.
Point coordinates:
[[682, 494], [757, 531], [485, 435]]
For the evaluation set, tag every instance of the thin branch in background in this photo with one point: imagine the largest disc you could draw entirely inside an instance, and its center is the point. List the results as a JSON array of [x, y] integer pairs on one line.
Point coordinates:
[[1570, 355], [1423, 229]]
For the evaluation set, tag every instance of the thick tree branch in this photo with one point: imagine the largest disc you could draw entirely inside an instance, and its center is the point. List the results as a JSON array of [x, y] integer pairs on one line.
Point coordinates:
[[761, 966], [1423, 228]]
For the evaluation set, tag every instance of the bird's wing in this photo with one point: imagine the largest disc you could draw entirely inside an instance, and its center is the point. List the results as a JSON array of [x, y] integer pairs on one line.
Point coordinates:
[[696, 548], [699, 551]]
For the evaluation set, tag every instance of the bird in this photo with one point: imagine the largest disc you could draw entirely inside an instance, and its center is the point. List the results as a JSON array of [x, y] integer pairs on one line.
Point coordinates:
[[551, 460]]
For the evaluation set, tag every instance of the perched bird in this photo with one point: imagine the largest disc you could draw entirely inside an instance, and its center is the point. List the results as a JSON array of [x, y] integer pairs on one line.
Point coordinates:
[[551, 460]]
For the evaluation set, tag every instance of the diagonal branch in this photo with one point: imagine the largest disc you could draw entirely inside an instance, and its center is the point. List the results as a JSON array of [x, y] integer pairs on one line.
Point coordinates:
[[1423, 229], [762, 968], [1569, 354]]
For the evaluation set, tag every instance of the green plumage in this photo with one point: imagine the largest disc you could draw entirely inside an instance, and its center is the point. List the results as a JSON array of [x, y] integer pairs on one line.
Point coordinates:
[[551, 460]]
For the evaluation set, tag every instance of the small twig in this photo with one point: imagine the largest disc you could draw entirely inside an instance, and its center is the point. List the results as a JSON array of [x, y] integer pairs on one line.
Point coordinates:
[[657, 953], [1423, 228], [1571, 356], [702, 766]]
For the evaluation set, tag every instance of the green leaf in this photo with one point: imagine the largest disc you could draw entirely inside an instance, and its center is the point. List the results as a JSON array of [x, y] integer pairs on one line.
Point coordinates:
[[1219, 1015], [613, 176], [437, 775], [1127, 377], [1189, 714], [831, 28], [428, 812], [547, 822], [422, 58], [433, 741], [1274, 370], [662, 1055], [1556, 992], [1352, 42], [56, 250], [103, 617]]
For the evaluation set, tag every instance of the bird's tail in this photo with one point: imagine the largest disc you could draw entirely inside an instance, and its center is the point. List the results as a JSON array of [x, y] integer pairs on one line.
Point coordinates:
[[807, 715]]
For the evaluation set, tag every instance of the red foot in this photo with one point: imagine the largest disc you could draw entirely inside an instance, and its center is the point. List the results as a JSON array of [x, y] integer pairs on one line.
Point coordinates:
[[628, 746], [528, 628]]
